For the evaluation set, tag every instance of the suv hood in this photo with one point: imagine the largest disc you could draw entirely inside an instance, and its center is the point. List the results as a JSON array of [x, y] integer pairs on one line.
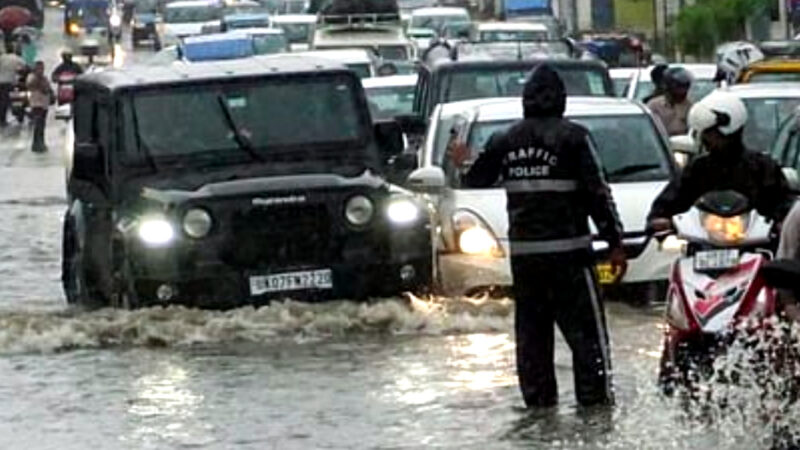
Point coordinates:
[[262, 185]]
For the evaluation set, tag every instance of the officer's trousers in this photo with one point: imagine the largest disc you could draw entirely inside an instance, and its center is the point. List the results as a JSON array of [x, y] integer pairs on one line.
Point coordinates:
[[560, 290]]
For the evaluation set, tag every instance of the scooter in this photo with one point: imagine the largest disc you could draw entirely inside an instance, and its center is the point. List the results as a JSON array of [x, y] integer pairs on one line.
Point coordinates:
[[715, 287]]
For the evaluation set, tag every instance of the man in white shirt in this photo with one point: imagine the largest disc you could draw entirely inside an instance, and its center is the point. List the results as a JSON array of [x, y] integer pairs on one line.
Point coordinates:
[[10, 64]]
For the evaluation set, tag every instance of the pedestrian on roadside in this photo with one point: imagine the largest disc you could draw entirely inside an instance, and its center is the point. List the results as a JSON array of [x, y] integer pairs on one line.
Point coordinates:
[[10, 65], [554, 183], [41, 97]]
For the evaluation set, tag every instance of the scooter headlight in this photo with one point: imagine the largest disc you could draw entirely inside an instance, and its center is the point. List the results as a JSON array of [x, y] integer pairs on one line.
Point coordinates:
[[359, 210], [156, 231], [115, 20], [74, 28], [726, 230], [197, 223]]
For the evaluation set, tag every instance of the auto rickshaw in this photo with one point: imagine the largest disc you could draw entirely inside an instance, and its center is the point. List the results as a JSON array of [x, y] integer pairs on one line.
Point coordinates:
[[95, 21]]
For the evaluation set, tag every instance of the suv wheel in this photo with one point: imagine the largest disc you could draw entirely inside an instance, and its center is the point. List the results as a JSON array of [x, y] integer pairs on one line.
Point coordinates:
[[78, 288]]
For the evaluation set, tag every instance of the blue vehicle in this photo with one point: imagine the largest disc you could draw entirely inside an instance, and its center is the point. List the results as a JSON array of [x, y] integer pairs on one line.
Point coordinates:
[[216, 47]]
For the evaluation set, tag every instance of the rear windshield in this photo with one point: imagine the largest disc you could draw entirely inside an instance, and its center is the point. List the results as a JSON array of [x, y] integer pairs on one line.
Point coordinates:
[[765, 118], [388, 102], [297, 33], [512, 36], [629, 146], [508, 82], [270, 118], [191, 14]]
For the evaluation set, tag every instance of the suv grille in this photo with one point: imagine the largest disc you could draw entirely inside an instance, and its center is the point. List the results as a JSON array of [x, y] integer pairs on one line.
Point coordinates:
[[279, 236]]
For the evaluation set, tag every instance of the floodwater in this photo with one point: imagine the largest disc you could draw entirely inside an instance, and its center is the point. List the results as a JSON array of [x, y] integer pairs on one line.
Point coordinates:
[[400, 373]]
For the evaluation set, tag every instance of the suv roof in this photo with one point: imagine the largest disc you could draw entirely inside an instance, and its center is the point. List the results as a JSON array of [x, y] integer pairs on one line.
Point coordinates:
[[208, 71]]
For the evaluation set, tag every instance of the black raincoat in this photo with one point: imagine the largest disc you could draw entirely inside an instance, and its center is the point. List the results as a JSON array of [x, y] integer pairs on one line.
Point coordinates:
[[554, 184]]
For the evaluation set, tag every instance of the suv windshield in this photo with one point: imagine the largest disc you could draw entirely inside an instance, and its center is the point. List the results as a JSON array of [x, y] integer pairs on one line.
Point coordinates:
[[629, 146], [508, 82], [273, 119], [191, 14], [437, 22]]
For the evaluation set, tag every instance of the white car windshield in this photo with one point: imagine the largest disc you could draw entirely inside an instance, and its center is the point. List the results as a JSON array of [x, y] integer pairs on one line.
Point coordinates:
[[629, 146]]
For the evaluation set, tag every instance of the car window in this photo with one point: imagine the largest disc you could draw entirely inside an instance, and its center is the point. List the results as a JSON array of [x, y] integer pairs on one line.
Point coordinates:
[[790, 156], [363, 70], [297, 33], [630, 147], [621, 86], [774, 77], [765, 115], [388, 102]]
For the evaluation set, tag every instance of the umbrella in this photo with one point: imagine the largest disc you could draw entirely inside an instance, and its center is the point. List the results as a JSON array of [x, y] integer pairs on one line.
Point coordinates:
[[12, 17]]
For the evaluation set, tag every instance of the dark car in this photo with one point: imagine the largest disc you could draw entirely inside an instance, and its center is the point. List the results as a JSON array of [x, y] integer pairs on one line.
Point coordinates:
[[219, 185], [451, 81], [143, 23]]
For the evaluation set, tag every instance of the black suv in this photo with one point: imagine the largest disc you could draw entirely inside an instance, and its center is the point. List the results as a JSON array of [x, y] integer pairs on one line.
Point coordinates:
[[231, 183]]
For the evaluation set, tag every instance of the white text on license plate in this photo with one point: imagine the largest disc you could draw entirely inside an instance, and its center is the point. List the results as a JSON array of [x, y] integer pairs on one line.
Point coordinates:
[[291, 281], [716, 259]]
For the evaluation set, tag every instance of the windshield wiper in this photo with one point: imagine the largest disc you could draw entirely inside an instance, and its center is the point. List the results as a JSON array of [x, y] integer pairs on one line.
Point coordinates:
[[635, 168], [241, 140]]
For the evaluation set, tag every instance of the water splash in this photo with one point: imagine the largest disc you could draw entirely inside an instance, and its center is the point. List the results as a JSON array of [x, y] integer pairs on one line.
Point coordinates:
[[179, 326]]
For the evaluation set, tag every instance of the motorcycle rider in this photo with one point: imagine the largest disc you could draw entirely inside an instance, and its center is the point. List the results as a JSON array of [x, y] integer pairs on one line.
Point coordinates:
[[551, 175], [66, 66], [719, 119], [672, 107], [10, 66], [657, 77]]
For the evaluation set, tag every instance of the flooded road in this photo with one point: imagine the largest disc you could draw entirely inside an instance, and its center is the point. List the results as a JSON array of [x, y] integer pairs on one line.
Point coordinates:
[[397, 373]]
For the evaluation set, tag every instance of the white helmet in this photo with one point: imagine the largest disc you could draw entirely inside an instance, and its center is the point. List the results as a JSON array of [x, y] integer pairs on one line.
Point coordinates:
[[722, 110]]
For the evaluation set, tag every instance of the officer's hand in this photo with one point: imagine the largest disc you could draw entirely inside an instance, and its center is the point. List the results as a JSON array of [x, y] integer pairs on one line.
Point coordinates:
[[660, 224], [619, 262], [459, 153]]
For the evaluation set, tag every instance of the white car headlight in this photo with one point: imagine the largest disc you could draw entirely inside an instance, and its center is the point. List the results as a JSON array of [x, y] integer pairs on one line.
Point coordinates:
[[473, 236], [197, 223], [359, 210], [156, 231], [402, 211], [115, 20]]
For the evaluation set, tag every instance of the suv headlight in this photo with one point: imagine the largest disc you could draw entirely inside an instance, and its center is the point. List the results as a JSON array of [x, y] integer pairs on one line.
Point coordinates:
[[402, 210], [197, 223], [359, 210], [473, 236], [156, 231]]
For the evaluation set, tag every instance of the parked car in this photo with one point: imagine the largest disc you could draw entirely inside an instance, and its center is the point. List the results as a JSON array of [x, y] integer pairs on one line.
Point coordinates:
[[389, 97], [474, 247], [188, 196]]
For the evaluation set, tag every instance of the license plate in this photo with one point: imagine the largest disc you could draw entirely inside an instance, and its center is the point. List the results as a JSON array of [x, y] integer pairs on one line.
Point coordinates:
[[605, 273], [716, 259], [291, 281]]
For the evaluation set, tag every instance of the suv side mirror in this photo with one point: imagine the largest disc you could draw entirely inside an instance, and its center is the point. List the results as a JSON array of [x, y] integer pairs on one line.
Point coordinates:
[[86, 160], [792, 177], [389, 137], [429, 179]]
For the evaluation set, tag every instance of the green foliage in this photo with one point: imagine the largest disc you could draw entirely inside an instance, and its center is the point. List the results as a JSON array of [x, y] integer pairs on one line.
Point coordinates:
[[701, 27]]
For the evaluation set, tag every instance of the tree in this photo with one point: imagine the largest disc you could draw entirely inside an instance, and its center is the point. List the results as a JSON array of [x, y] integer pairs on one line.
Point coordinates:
[[707, 23]]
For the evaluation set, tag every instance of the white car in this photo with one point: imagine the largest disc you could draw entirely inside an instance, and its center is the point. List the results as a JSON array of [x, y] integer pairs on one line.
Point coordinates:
[[189, 18], [474, 247], [299, 29], [363, 62], [437, 18], [391, 96], [510, 32], [703, 81]]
